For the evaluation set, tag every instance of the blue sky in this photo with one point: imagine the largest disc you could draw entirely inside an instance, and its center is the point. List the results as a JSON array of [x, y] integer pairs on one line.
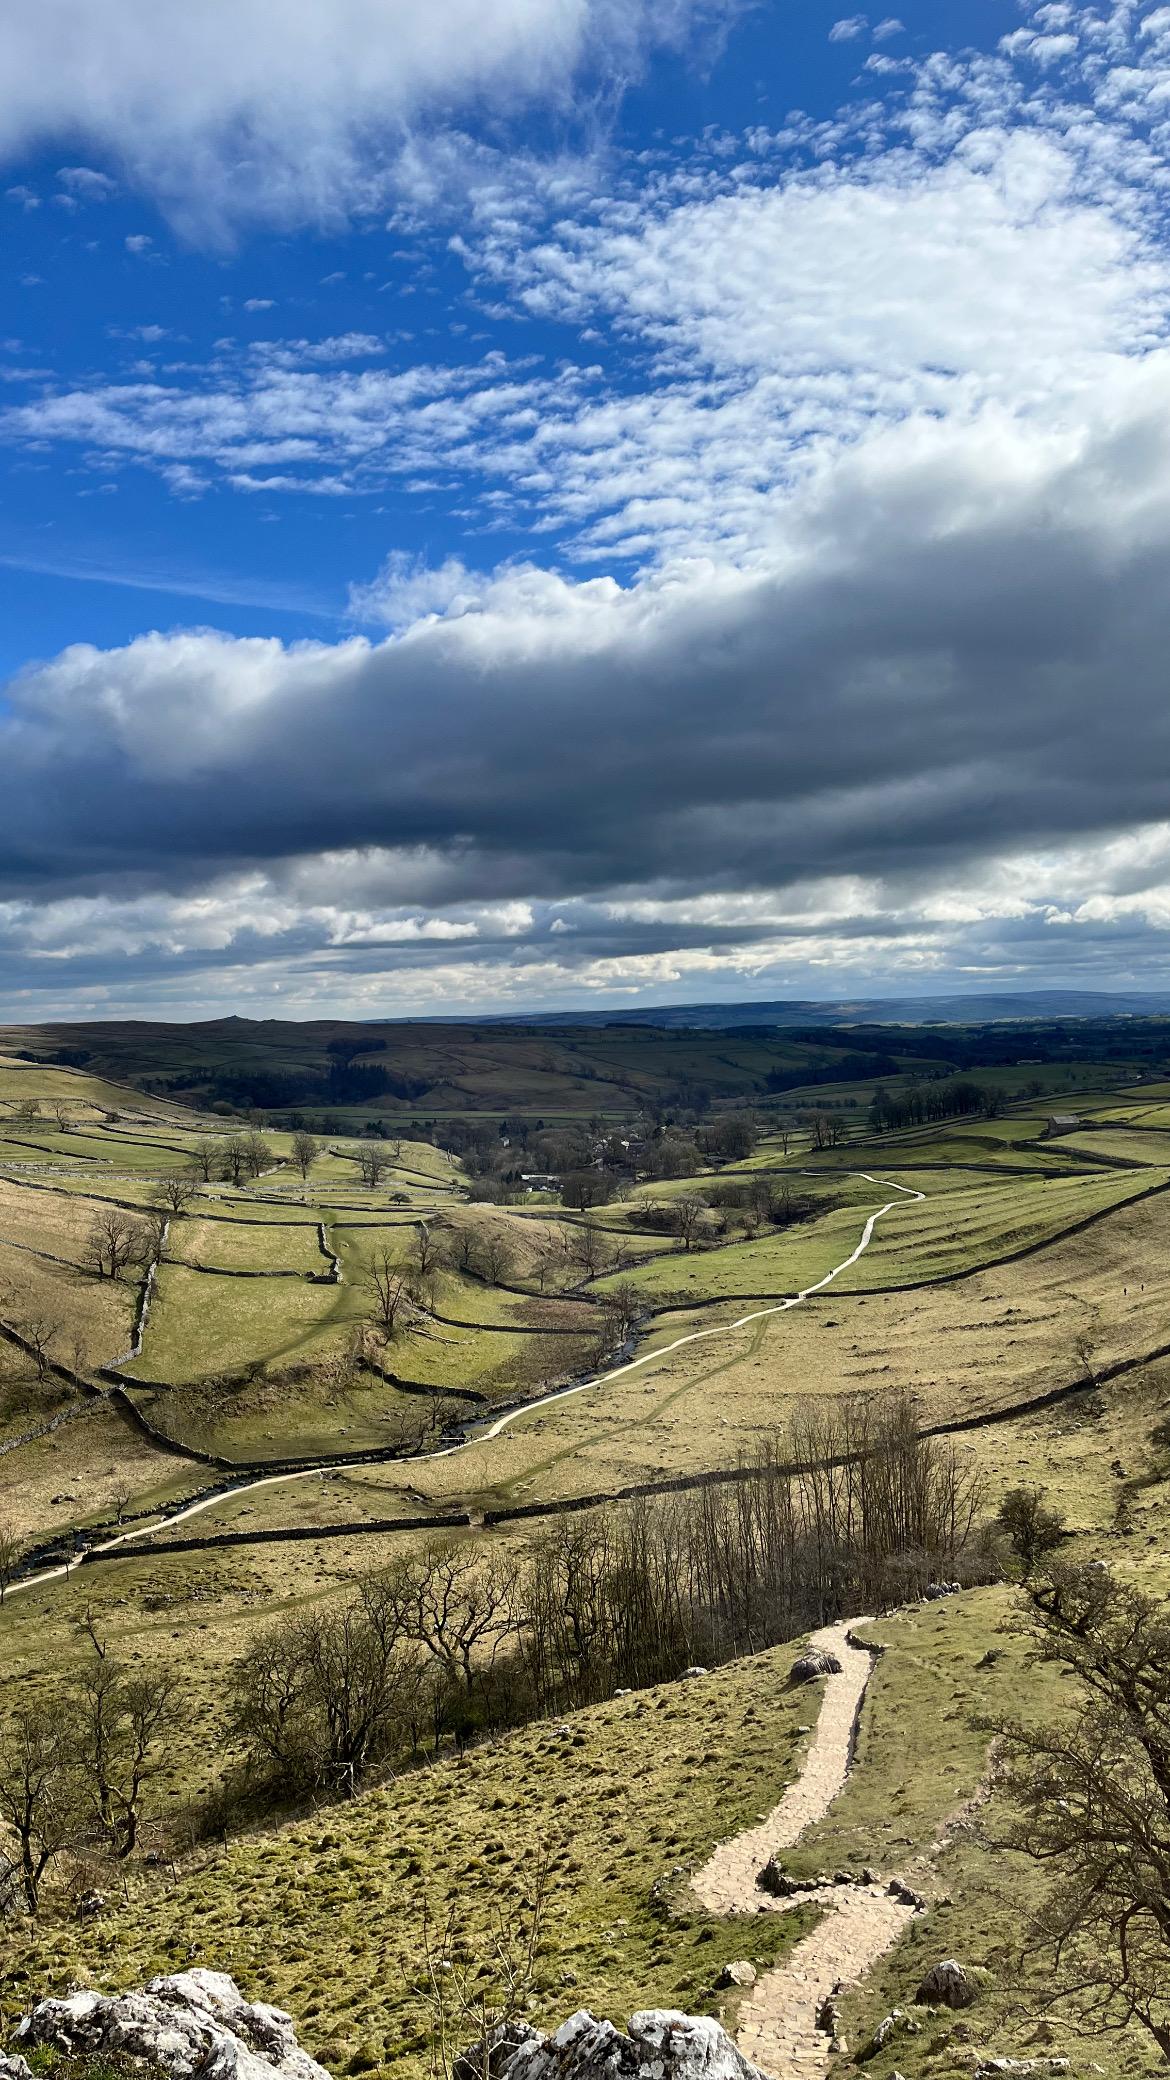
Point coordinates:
[[593, 504]]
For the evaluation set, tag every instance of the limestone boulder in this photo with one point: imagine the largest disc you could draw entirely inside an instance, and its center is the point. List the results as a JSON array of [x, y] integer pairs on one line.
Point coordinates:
[[189, 2022], [807, 1667], [945, 1985], [660, 2044]]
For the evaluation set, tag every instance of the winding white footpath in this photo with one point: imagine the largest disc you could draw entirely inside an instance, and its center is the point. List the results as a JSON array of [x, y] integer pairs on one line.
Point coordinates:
[[778, 2021], [515, 1415]]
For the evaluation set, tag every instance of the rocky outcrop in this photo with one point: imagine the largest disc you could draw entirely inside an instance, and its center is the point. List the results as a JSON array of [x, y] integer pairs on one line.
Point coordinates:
[[945, 1985], [191, 2022], [807, 1667], [660, 2045]]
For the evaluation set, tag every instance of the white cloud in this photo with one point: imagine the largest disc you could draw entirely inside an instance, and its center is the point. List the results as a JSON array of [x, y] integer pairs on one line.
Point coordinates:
[[86, 183], [848, 28], [287, 109]]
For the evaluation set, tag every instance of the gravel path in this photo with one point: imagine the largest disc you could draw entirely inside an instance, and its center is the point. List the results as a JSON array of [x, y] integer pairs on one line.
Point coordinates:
[[778, 2025]]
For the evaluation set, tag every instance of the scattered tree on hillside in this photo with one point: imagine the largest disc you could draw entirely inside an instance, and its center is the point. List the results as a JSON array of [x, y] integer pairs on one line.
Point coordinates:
[[621, 1308], [581, 1189], [426, 1249], [175, 1193], [11, 1548], [40, 1332], [39, 1790], [498, 1256], [373, 1162], [231, 1158], [690, 1211], [26, 1112], [305, 1150], [256, 1152], [1033, 1529], [393, 1289], [456, 1601], [590, 1249], [206, 1158], [1090, 1791], [115, 1241], [325, 1694], [122, 1723]]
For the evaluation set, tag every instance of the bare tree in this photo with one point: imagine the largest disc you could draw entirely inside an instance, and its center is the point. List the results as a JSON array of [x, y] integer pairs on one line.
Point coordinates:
[[590, 1249], [39, 1801], [122, 1724], [465, 1252], [115, 1241], [1089, 1787], [373, 1162], [621, 1308], [40, 1333], [206, 1157], [498, 1256], [457, 1602], [26, 1112], [305, 1150], [11, 1547], [393, 1290], [232, 1158], [1084, 1348], [176, 1193], [317, 1698], [475, 1999], [426, 1249], [690, 1211], [256, 1152]]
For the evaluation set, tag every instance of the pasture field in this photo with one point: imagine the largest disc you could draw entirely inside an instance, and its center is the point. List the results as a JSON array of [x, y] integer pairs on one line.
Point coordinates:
[[324, 1913]]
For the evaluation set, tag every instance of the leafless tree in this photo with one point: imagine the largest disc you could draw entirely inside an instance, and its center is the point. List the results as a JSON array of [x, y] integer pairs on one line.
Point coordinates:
[[1084, 1350], [26, 1112], [475, 1998], [256, 1152], [176, 1193], [232, 1158], [206, 1157], [11, 1547], [122, 1723], [498, 1256], [373, 1161], [1089, 1789], [40, 1332], [305, 1150], [39, 1790], [115, 1241], [426, 1249], [690, 1211], [393, 1291], [457, 1602], [590, 1249], [316, 1699]]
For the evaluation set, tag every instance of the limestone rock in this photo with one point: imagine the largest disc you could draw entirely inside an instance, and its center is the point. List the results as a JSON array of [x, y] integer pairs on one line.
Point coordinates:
[[945, 1985], [660, 2045], [775, 1880], [190, 2022], [807, 1667], [13, 2067], [741, 1973], [689, 1673]]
